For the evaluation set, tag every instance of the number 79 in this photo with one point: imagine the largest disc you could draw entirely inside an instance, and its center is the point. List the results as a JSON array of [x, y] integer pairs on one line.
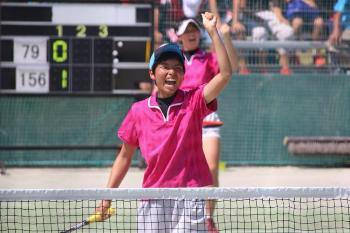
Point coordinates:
[[31, 50]]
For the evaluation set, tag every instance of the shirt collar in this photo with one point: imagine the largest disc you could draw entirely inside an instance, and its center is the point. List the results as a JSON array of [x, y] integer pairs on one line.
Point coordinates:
[[199, 53], [179, 98]]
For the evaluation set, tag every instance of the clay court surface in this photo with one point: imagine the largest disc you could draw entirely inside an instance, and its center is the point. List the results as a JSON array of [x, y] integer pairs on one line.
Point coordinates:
[[230, 177]]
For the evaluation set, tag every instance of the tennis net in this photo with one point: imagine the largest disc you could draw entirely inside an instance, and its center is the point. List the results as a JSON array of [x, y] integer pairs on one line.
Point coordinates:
[[236, 210]]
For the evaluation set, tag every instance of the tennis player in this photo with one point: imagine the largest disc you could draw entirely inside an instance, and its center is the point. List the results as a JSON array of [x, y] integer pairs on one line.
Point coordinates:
[[167, 127]]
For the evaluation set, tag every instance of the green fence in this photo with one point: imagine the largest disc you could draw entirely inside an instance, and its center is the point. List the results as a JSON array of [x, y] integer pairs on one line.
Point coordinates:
[[258, 112], [61, 121]]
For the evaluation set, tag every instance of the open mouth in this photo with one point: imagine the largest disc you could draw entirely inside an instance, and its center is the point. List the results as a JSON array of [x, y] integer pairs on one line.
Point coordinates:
[[170, 82]]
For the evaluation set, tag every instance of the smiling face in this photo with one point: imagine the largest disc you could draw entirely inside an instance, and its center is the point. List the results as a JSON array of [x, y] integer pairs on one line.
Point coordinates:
[[168, 76], [190, 39]]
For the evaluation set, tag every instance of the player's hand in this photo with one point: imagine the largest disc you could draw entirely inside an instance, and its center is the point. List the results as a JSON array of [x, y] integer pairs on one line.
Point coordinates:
[[209, 21], [103, 212]]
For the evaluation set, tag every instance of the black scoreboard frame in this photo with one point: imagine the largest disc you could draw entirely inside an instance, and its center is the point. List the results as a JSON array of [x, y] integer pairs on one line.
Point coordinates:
[[56, 48]]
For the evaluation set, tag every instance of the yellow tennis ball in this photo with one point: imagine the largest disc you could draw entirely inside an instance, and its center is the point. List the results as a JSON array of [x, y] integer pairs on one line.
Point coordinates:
[[98, 217]]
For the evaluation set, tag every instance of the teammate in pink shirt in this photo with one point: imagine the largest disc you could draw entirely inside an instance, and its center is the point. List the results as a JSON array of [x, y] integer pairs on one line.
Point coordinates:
[[167, 127]]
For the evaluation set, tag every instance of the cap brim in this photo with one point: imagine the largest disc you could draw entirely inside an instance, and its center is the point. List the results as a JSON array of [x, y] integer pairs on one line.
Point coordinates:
[[184, 24], [163, 49]]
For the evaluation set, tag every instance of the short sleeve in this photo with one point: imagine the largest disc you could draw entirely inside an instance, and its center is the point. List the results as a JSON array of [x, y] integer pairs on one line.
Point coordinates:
[[128, 130], [200, 104]]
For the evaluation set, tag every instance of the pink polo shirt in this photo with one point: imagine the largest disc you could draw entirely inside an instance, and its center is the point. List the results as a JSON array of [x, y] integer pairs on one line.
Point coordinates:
[[172, 145], [200, 69]]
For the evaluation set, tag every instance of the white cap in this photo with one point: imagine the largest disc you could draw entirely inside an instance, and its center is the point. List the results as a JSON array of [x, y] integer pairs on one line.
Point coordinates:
[[184, 24]]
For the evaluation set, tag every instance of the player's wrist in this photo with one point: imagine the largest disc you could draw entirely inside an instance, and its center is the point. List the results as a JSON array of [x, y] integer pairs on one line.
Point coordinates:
[[213, 33], [106, 204]]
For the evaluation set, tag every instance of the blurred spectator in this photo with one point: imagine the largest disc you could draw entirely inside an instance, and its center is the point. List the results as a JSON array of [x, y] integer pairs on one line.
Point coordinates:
[[224, 12], [341, 22], [158, 36], [306, 12], [222, 9], [261, 18], [167, 15]]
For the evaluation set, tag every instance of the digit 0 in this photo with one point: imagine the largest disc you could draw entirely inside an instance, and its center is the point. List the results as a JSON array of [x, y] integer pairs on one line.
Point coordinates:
[[58, 56]]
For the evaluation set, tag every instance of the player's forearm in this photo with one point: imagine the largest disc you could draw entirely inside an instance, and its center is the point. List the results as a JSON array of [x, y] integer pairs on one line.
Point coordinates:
[[120, 166], [218, 83], [231, 52], [223, 59]]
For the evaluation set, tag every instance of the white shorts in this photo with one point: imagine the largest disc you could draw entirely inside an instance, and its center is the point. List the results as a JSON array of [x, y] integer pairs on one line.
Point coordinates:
[[171, 216], [211, 131]]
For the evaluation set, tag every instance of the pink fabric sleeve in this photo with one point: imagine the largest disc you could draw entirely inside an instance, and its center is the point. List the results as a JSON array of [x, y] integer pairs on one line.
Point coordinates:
[[200, 104], [127, 131]]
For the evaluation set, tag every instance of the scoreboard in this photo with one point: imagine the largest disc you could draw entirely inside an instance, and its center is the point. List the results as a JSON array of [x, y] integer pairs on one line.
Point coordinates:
[[72, 47]]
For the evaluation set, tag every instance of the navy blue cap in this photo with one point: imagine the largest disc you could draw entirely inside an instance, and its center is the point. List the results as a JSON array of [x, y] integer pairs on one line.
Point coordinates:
[[165, 48]]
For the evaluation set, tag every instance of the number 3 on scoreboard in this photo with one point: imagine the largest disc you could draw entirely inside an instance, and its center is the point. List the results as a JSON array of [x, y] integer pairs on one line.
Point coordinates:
[[33, 79]]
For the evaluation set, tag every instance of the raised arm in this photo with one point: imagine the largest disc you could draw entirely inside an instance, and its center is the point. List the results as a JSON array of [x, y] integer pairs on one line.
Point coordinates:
[[218, 83], [231, 51]]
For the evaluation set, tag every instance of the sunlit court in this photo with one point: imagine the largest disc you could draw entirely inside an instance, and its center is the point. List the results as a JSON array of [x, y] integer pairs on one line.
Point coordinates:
[[108, 112]]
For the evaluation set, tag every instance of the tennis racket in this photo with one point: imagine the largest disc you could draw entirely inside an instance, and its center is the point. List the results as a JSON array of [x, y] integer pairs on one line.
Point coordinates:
[[97, 217]]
